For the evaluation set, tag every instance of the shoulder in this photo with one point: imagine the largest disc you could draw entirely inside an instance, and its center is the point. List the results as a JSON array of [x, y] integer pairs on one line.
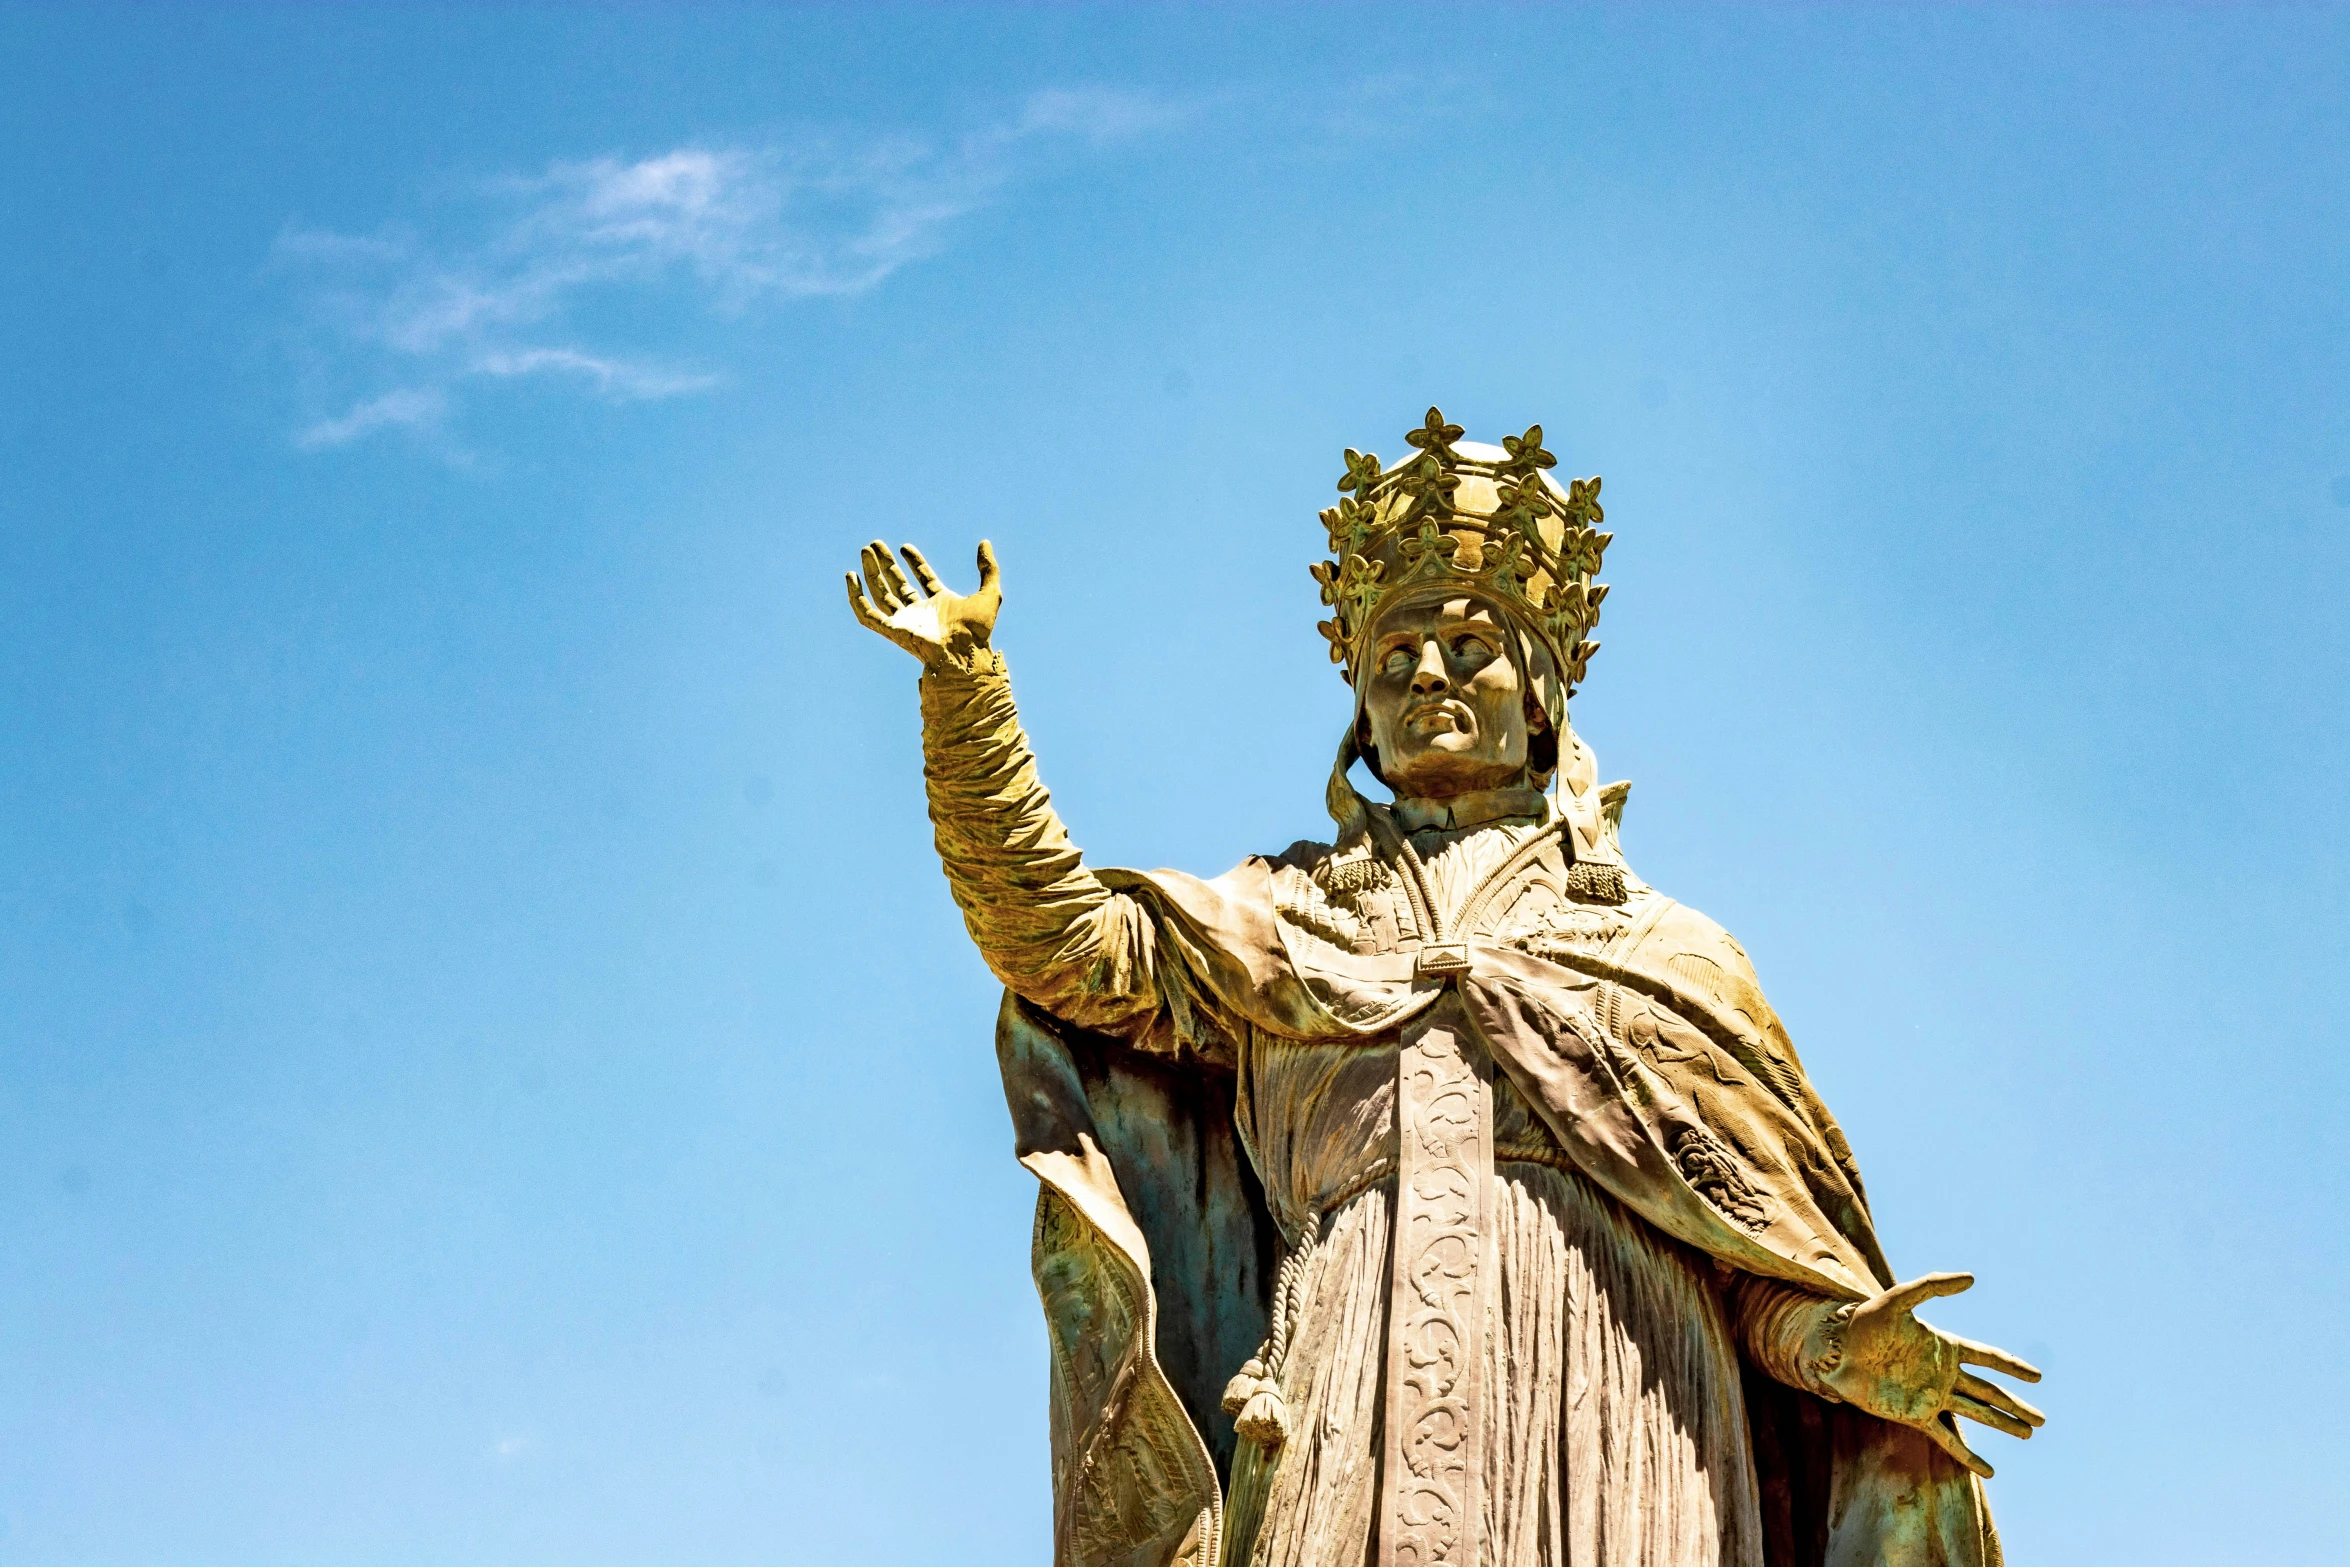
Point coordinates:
[[1304, 856], [1319, 870], [1677, 926], [1301, 868], [1341, 896], [1296, 871], [1705, 958]]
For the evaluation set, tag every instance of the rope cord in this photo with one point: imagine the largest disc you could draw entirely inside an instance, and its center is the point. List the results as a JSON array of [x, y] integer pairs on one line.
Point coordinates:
[[1289, 1289], [1254, 1395]]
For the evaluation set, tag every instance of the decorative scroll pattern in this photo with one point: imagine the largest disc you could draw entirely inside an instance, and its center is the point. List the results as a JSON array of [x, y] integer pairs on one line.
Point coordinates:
[[1436, 1323]]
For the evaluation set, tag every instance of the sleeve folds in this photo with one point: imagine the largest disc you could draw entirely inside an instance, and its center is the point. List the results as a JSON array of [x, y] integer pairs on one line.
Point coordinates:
[[1046, 925]]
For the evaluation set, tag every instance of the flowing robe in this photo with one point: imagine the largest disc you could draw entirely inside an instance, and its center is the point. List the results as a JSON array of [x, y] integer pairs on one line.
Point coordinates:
[[1569, 1335]]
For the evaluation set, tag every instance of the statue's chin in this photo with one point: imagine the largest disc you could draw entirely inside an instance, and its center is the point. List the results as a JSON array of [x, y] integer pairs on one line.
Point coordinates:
[[1448, 750], [1439, 772]]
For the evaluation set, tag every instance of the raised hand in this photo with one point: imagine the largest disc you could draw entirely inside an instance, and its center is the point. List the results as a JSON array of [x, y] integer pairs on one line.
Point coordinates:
[[937, 627], [1898, 1368]]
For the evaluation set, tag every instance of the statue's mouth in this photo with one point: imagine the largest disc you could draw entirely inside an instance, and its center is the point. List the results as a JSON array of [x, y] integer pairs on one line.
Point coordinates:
[[1439, 718]]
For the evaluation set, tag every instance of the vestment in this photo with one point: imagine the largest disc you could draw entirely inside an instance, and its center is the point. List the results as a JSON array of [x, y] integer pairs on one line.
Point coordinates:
[[1549, 1192]]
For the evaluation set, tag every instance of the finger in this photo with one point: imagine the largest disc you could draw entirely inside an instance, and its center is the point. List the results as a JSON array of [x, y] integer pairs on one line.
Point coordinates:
[[988, 571], [922, 572], [873, 582], [1997, 1397], [1983, 1414], [1946, 1438], [1998, 1360], [897, 579], [877, 580], [862, 610], [1917, 1292]]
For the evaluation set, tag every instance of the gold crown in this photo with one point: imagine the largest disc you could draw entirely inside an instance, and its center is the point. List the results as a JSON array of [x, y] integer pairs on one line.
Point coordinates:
[[1488, 520]]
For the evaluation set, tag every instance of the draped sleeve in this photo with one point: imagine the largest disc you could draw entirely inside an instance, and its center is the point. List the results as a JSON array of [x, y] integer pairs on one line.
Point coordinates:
[[1049, 928]]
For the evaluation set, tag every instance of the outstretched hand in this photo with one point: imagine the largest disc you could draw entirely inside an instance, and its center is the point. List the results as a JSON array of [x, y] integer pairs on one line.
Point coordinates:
[[934, 625], [1898, 1368]]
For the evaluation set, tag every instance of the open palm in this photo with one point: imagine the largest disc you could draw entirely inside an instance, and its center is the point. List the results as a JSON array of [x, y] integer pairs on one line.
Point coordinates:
[[1900, 1369], [921, 616]]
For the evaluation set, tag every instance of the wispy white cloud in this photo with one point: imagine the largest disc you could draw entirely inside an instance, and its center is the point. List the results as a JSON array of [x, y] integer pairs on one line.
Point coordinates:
[[407, 407], [613, 377], [414, 322]]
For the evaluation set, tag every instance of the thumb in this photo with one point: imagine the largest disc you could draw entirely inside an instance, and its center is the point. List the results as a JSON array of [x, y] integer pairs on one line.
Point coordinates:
[[1932, 1286], [989, 573]]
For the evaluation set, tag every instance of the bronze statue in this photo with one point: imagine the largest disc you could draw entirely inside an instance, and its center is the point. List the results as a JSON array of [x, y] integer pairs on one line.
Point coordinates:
[[1443, 1196]]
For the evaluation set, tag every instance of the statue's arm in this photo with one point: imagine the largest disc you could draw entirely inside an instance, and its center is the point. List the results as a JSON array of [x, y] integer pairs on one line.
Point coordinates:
[[1045, 924], [1783, 1328]]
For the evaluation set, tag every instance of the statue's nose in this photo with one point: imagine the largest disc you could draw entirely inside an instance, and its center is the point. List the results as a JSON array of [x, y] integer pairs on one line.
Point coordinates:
[[1430, 677]]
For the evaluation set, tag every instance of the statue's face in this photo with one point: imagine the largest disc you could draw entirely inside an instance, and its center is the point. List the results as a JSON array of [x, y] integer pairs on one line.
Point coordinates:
[[1445, 700]]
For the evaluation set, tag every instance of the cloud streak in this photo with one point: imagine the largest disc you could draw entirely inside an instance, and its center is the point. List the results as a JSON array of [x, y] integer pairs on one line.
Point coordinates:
[[409, 327], [408, 407]]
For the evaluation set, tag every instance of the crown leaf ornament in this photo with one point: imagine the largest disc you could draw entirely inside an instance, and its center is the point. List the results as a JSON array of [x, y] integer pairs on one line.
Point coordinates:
[[1487, 520]]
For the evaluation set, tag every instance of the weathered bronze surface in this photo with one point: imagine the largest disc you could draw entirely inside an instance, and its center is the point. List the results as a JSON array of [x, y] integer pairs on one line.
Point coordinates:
[[1442, 1196]]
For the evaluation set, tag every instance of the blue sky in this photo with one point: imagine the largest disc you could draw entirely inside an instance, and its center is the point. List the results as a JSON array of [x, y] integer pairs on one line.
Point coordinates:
[[489, 1072]]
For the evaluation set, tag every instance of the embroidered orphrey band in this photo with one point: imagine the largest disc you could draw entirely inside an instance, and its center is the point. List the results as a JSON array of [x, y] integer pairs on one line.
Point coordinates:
[[1433, 1466]]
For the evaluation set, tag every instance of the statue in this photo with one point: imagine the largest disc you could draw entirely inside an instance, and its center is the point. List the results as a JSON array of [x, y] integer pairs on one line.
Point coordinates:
[[1444, 1195]]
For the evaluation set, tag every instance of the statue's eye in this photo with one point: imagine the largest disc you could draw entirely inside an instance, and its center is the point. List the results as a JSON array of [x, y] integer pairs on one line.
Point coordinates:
[[1469, 645], [1398, 661]]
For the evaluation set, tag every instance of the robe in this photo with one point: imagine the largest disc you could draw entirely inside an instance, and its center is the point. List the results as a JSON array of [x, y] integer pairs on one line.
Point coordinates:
[[1202, 1076]]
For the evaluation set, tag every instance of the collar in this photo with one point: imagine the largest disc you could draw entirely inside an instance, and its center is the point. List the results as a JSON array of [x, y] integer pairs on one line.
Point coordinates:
[[1474, 809]]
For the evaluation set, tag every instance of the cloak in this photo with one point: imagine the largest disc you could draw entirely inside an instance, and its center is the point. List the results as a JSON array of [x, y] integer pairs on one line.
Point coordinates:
[[1654, 1060]]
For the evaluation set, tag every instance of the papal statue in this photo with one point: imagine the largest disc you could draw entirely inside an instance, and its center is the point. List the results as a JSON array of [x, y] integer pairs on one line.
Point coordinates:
[[1443, 1195]]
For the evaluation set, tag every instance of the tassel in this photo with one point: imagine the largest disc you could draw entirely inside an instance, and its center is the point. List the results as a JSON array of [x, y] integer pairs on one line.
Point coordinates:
[[1253, 1397], [1264, 1420], [1243, 1386]]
